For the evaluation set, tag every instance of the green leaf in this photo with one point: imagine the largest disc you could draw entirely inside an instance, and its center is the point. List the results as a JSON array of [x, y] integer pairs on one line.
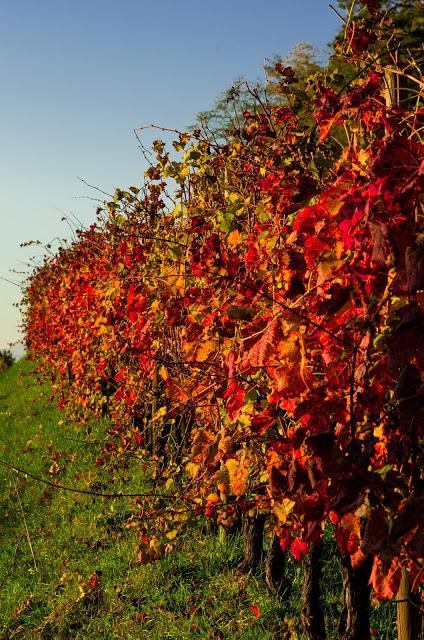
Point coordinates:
[[177, 251], [241, 313], [225, 221], [118, 195]]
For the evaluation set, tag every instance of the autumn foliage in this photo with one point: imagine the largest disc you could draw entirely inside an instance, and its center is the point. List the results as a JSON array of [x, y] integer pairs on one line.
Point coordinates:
[[258, 335]]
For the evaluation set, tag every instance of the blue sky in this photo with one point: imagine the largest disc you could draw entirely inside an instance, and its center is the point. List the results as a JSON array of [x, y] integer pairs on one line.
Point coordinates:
[[78, 76]]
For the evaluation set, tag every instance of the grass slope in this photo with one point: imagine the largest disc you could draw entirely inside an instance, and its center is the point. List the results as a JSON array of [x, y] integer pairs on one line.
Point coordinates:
[[53, 542]]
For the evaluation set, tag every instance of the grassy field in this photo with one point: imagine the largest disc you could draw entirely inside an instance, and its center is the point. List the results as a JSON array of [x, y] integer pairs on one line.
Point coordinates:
[[68, 562]]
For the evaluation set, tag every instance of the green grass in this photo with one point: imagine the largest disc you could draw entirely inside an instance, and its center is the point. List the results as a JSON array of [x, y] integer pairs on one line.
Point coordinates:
[[52, 541]]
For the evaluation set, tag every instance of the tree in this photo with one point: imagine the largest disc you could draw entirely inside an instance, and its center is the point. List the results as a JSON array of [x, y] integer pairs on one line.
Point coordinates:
[[226, 114], [6, 359], [286, 81]]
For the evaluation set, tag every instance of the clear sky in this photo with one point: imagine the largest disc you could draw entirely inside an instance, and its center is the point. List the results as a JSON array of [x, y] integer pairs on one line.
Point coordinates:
[[78, 76]]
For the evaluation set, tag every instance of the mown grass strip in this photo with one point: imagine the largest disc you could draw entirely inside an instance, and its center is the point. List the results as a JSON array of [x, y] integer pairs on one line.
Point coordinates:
[[195, 592]]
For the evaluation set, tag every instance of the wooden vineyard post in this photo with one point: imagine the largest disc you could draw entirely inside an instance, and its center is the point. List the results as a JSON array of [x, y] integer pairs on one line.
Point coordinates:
[[402, 608], [392, 82], [392, 89], [410, 621]]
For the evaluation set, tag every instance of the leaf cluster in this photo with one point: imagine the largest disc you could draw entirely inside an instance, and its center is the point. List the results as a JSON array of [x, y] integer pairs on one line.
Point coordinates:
[[256, 337]]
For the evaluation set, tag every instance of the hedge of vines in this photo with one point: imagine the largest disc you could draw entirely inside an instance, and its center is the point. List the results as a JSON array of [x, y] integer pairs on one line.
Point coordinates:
[[257, 334]]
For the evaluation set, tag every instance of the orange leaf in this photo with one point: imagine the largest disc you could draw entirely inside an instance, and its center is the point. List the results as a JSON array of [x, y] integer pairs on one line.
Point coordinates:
[[238, 474]]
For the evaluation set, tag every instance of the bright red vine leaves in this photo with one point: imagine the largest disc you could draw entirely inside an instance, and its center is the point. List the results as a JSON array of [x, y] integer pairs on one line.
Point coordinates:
[[263, 337]]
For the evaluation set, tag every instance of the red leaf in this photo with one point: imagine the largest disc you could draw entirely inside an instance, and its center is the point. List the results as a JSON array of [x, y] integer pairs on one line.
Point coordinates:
[[252, 255], [385, 583], [262, 421], [306, 219], [121, 375], [199, 224], [259, 353], [277, 482], [372, 5], [285, 540], [234, 395], [93, 580], [256, 611], [298, 548], [360, 39], [313, 247], [376, 532], [348, 534], [119, 394]]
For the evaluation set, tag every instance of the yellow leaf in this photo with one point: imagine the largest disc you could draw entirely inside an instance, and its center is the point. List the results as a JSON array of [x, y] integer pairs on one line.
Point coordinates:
[[363, 157], [155, 544], [339, 249], [163, 373], [204, 351], [172, 534], [179, 284], [159, 413], [283, 509], [192, 469], [181, 517], [238, 475], [244, 418], [378, 431], [106, 345], [263, 476], [177, 209]]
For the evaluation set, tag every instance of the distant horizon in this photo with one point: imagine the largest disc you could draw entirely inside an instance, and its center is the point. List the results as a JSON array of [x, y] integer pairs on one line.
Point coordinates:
[[17, 350]]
